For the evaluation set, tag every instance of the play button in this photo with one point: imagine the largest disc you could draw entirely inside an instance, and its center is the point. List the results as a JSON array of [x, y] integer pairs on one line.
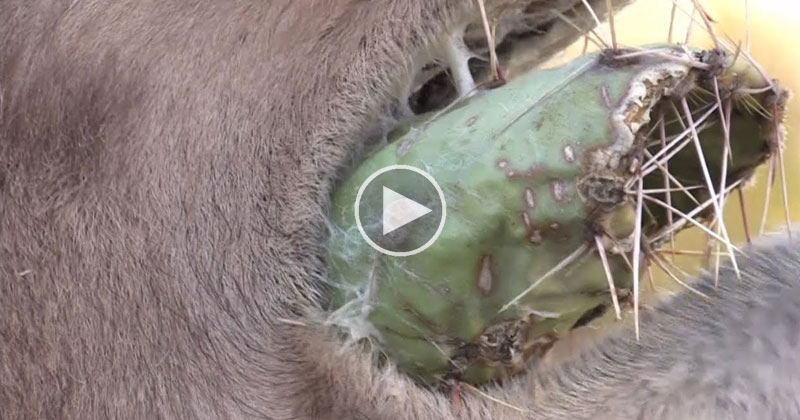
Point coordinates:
[[400, 210]]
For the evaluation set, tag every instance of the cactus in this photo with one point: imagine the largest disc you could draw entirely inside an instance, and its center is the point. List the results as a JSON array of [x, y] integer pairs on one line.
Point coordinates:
[[540, 176]]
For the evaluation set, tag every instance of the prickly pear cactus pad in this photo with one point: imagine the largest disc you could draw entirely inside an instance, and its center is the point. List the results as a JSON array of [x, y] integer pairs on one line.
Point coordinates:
[[544, 178]]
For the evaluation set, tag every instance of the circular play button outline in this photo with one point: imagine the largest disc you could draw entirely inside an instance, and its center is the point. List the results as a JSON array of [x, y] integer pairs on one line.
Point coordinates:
[[438, 229]]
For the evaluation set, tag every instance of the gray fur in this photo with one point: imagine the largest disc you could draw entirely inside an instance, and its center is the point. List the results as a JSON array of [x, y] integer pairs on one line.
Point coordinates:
[[165, 169]]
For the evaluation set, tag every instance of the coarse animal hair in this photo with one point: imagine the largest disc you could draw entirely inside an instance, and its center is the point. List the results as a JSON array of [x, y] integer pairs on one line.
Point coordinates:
[[165, 172]]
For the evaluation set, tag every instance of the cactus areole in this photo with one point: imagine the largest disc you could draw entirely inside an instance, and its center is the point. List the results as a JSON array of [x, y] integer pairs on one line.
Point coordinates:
[[533, 172]]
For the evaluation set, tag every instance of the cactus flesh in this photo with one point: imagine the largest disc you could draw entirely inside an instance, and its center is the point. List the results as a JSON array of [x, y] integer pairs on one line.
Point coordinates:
[[532, 173]]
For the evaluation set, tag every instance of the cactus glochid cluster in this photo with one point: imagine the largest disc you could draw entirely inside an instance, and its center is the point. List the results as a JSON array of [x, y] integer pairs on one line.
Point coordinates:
[[545, 178]]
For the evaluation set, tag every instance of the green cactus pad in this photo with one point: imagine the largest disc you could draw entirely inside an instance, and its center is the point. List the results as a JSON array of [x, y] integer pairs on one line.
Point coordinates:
[[532, 172]]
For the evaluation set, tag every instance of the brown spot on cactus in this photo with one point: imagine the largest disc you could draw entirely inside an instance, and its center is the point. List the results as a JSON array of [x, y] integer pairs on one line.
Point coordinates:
[[535, 237], [604, 97], [526, 174], [529, 202], [533, 233], [526, 221], [558, 190], [569, 153], [484, 278]]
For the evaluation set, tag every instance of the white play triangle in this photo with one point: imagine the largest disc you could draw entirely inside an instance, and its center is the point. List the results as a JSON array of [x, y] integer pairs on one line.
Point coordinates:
[[399, 210]]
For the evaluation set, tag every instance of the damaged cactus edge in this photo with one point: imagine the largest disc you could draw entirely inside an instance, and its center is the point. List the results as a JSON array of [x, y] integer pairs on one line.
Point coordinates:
[[537, 175]]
